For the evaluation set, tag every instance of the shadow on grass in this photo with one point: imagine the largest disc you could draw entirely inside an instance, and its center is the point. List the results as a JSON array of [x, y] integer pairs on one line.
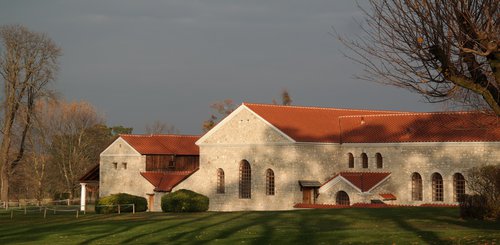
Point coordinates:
[[134, 225], [400, 225]]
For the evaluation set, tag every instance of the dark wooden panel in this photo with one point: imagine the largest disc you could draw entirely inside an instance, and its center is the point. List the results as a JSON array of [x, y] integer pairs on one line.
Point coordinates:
[[171, 163]]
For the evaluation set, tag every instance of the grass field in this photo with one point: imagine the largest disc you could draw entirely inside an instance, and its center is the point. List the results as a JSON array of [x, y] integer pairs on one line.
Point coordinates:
[[333, 226]]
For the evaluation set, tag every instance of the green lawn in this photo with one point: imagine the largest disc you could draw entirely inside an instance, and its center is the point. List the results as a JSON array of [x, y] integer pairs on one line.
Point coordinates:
[[334, 226]]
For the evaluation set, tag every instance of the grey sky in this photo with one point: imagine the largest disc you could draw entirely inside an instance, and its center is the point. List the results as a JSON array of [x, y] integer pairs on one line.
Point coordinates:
[[141, 61]]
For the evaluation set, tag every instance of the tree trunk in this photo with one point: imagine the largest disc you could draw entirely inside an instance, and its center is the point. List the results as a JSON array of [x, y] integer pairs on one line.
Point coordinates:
[[4, 192]]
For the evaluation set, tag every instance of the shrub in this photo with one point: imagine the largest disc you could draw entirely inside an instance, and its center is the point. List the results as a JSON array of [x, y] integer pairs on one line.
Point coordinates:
[[484, 182], [184, 201], [141, 204], [473, 206]]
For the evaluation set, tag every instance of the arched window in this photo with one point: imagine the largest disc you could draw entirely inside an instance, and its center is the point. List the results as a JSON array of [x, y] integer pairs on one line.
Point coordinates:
[[269, 182], [416, 187], [220, 181], [245, 180], [342, 198], [351, 160], [437, 187], [364, 160], [458, 186], [380, 163]]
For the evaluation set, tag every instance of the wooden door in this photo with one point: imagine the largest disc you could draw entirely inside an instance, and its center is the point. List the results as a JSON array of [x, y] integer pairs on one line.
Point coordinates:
[[306, 195], [151, 201]]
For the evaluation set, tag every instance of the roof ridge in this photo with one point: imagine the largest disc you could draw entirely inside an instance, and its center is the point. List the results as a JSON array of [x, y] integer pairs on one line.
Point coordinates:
[[151, 135], [413, 114], [325, 108], [367, 172]]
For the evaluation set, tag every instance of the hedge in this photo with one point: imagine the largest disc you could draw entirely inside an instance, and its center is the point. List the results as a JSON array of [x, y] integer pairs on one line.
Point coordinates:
[[184, 201], [141, 204]]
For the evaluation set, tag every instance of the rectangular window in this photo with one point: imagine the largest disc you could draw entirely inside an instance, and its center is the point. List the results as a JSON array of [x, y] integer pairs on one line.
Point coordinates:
[[115, 165], [171, 164], [124, 164]]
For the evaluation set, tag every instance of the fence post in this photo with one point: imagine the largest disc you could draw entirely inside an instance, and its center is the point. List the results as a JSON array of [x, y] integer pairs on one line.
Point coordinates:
[[24, 209], [77, 211], [45, 213], [11, 213], [69, 202], [118, 208], [55, 207], [133, 208]]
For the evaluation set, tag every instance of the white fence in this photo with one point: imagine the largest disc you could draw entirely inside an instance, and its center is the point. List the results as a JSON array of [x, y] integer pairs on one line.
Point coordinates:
[[53, 207]]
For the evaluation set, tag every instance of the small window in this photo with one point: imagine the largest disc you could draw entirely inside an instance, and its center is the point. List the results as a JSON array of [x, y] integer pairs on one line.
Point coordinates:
[[350, 160], [124, 164], [342, 198], [458, 187], [221, 189], [416, 187], [364, 160], [115, 165], [270, 182], [171, 164], [437, 187], [245, 180], [379, 159]]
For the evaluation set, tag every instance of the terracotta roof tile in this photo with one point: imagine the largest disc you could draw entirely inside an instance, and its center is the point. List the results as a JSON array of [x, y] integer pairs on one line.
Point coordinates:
[[307, 124], [388, 196], [331, 125], [420, 127], [165, 181], [362, 180], [163, 144]]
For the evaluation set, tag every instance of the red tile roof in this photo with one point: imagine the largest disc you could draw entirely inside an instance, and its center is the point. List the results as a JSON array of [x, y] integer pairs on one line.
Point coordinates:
[[421, 127], [307, 124], [165, 181], [330, 125], [163, 144], [362, 180], [387, 196]]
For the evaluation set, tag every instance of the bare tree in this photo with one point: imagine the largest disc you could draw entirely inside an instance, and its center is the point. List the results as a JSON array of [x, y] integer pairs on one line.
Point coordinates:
[[286, 99], [446, 50], [73, 145], [158, 127], [222, 109], [39, 142], [485, 181], [28, 63]]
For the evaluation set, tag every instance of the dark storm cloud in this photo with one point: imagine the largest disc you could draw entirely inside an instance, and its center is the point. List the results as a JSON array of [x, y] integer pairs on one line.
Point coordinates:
[[140, 61]]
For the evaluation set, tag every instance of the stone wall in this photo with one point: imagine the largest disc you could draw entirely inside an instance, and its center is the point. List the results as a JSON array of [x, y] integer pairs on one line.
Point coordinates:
[[245, 136], [120, 179]]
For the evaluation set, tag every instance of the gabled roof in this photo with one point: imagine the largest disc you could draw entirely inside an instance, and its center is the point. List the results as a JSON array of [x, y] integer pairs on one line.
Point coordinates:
[[308, 124], [362, 181], [421, 127], [163, 144], [166, 181], [331, 125]]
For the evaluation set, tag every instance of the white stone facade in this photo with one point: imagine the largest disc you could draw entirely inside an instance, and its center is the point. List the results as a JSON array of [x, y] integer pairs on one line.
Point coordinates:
[[244, 135]]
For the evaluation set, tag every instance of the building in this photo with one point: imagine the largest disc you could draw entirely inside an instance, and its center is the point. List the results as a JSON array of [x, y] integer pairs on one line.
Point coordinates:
[[271, 157], [147, 165]]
